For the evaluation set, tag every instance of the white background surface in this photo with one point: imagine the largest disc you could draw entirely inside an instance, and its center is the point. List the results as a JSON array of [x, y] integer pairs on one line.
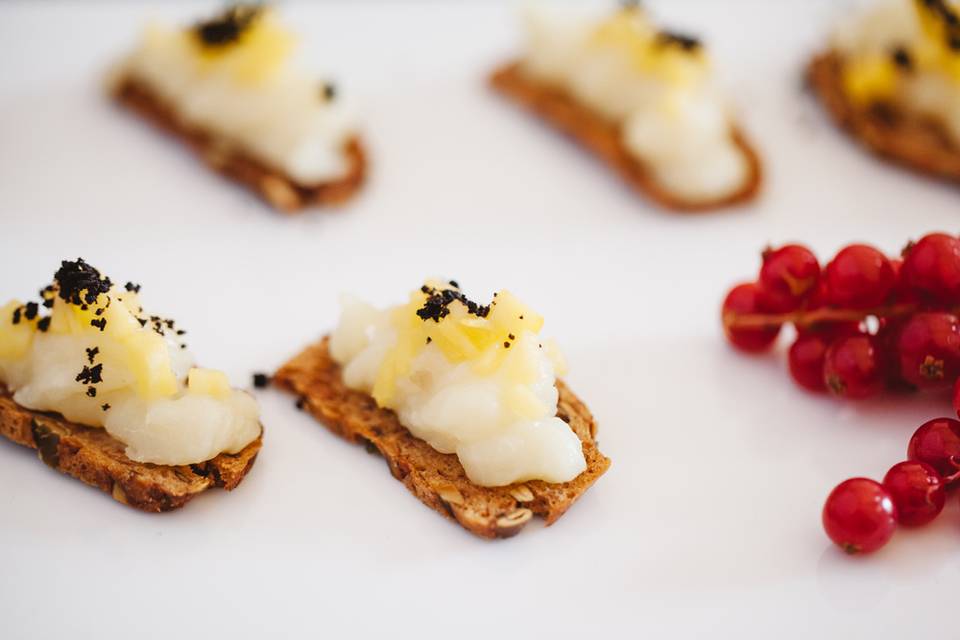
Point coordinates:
[[708, 522]]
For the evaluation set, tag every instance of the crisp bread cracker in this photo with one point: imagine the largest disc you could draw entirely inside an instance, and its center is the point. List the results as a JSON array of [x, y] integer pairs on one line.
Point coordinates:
[[437, 479], [604, 139], [277, 189], [909, 139], [95, 457]]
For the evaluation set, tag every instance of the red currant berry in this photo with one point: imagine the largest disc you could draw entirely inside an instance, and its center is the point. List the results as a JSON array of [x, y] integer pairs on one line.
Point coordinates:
[[859, 277], [859, 515], [917, 490], [932, 266], [928, 350], [852, 367], [744, 299], [902, 292], [937, 442], [788, 275], [806, 360]]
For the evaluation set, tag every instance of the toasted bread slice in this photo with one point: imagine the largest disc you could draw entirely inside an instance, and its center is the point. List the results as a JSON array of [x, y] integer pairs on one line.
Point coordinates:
[[909, 139], [279, 190], [437, 479], [95, 457], [603, 138]]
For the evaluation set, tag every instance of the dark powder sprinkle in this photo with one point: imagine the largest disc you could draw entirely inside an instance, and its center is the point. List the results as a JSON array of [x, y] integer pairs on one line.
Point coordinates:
[[98, 312], [16, 315], [329, 91], [429, 339], [454, 284], [130, 286], [79, 283], [506, 345], [901, 58], [92, 353], [687, 43], [91, 375], [142, 322], [99, 323], [227, 27], [92, 392], [511, 336], [43, 324], [261, 380], [105, 407], [30, 310], [437, 305], [181, 332], [301, 402]]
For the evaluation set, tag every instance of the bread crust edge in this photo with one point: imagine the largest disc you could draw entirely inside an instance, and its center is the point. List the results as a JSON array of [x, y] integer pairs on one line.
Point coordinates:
[[436, 479], [94, 457], [603, 139]]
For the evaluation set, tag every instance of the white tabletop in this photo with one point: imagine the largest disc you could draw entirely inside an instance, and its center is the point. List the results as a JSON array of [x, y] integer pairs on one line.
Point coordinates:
[[708, 522]]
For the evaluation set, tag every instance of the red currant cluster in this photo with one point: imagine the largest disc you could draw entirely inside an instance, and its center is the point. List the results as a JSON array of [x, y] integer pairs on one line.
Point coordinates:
[[860, 514], [913, 340]]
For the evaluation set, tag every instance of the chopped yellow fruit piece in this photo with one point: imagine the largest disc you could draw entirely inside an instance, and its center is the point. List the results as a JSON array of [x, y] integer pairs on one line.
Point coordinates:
[[208, 382], [15, 339], [149, 360], [258, 53], [869, 79]]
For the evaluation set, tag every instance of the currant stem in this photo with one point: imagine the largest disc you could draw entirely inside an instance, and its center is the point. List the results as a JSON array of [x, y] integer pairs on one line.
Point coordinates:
[[803, 317]]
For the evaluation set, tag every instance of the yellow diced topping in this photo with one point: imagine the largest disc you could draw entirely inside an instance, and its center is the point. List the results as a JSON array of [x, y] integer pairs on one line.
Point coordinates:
[[463, 331], [209, 382], [675, 59], [247, 42], [16, 331], [869, 79], [149, 360]]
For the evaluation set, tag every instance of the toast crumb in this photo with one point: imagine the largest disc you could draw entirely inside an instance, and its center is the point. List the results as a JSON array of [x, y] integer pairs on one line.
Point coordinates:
[[277, 189], [437, 479], [913, 141], [95, 457], [603, 139]]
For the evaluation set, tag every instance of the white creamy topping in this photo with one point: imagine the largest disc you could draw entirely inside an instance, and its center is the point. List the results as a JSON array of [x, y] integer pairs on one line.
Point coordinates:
[[140, 386], [867, 42], [672, 117], [250, 94], [494, 408]]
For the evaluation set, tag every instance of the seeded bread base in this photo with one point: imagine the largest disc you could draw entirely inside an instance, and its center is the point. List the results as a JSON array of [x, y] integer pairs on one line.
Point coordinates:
[[916, 142], [276, 188], [95, 457], [437, 479], [603, 139]]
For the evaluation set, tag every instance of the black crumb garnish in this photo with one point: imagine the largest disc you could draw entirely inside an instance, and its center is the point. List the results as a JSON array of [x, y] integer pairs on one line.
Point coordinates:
[[301, 401], [227, 27], [92, 392], [79, 283], [16, 315], [142, 321], [437, 304], [30, 310], [181, 332], [685, 42], [92, 353], [511, 336], [454, 284], [130, 286], [99, 323], [105, 407], [43, 324], [91, 375], [901, 58], [429, 339], [261, 380], [328, 90], [506, 344]]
